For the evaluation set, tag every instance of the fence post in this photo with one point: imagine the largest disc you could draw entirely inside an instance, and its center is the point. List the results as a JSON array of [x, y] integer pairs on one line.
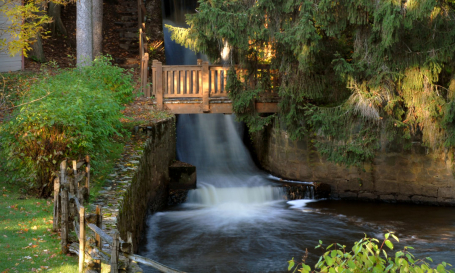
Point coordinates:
[[56, 204], [158, 84], [99, 223], [99, 244], [77, 187], [206, 87], [64, 233], [87, 170], [81, 239], [129, 240], [114, 253], [63, 172]]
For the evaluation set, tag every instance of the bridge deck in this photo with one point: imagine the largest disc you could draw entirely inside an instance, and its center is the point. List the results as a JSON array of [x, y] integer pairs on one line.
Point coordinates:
[[217, 106], [193, 89]]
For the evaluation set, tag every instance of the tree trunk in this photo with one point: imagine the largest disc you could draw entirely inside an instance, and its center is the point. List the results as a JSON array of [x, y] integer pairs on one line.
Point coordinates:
[[37, 52], [55, 11], [84, 36], [97, 16], [45, 182]]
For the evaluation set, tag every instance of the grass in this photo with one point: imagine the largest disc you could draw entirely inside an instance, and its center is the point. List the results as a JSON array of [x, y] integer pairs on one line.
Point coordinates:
[[27, 243]]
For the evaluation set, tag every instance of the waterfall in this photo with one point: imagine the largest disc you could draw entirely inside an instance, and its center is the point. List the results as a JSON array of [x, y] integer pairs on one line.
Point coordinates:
[[226, 172]]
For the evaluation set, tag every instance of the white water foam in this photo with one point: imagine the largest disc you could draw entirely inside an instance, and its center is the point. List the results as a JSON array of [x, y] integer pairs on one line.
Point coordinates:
[[226, 172]]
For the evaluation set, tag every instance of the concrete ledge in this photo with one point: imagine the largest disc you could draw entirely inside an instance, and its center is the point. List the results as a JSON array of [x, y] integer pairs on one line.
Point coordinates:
[[182, 176]]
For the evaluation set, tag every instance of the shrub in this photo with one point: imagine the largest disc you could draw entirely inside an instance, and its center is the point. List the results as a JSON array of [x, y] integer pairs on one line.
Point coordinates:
[[368, 256], [70, 114]]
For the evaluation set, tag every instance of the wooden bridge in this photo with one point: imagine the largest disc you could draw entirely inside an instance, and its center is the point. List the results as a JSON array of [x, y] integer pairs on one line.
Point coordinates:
[[201, 88]]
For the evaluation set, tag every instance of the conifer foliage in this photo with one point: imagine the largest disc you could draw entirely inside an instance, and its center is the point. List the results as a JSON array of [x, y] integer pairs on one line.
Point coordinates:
[[349, 70]]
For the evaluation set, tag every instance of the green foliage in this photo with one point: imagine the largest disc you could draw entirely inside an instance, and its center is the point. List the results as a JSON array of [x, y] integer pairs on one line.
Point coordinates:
[[244, 101], [70, 114], [348, 70], [369, 255]]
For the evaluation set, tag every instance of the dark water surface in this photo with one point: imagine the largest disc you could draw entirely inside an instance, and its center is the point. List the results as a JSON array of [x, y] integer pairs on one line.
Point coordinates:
[[237, 221]]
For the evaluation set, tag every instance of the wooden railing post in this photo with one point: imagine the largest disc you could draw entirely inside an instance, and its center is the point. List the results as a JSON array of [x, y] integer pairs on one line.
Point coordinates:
[[81, 239], [205, 87], [64, 232], [158, 84], [141, 48], [145, 74], [114, 253], [56, 204]]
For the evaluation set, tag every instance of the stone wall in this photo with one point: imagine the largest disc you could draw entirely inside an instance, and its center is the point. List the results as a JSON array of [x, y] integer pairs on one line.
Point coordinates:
[[395, 175], [148, 188]]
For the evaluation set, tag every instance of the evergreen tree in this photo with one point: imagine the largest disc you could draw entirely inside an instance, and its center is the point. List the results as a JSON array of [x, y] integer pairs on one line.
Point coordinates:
[[348, 69]]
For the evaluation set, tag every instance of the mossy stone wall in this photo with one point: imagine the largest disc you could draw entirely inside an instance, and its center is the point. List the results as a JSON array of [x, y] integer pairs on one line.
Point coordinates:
[[148, 190], [416, 175]]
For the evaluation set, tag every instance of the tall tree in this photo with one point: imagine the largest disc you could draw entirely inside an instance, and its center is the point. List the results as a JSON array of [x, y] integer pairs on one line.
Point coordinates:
[[84, 36], [55, 12], [97, 16], [350, 70], [37, 52]]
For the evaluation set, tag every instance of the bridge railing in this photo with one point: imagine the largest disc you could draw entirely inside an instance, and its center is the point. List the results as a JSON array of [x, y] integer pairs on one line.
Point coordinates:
[[201, 81]]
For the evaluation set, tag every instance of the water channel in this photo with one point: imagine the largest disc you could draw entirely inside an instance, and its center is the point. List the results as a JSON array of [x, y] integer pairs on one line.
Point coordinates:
[[237, 220]]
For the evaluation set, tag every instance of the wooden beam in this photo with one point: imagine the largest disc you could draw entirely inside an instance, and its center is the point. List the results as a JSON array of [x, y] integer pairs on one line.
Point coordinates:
[[103, 235], [151, 263], [267, 107], [115, 253], [217, 108]]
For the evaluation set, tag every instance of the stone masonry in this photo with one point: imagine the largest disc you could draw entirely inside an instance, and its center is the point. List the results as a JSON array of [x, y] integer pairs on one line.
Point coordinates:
[[395, 175]]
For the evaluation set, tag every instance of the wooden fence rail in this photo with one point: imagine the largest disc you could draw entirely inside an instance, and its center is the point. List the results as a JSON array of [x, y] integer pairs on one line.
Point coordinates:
[[70, 194]]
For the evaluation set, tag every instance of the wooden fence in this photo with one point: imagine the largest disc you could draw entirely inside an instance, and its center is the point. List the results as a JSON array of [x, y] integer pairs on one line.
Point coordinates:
[[144, 56], [202, 81], [71, 189]]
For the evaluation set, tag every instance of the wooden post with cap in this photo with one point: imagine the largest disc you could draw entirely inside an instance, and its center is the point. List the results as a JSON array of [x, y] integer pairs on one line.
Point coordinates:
[[205, 87], [158, 84]]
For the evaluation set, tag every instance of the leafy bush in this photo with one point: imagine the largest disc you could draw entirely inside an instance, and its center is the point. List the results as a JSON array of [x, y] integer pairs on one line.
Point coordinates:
[[368, 256], [70, 114]]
